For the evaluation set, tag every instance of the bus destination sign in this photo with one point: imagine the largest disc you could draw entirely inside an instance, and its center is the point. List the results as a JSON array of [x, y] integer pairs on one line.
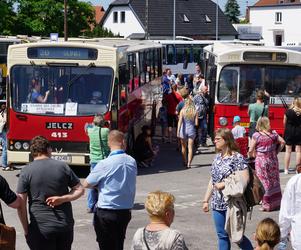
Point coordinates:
[[69, 53], [265, 56]]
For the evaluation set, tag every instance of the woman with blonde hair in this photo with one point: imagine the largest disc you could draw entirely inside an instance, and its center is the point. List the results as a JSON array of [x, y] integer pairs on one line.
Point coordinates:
[[158, 234], [226, 162], [188, 119], [292, 133], [265, 145], [267, 234]]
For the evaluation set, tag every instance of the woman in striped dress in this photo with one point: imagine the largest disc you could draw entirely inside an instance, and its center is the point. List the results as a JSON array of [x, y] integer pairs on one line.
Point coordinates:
[[266, 144]]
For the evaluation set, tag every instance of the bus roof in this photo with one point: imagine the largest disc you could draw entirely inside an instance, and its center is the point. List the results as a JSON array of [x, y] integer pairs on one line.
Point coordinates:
[[130, 45], [234, 53]]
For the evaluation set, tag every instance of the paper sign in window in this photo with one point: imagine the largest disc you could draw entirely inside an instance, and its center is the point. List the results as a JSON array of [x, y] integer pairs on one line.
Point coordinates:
[[71, 108]]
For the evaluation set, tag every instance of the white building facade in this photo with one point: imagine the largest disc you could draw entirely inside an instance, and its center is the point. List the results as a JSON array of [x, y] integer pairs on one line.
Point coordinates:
[[121, 20], [280, 23]]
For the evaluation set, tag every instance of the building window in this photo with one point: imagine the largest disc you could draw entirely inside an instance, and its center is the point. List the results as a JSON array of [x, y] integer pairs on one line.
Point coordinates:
[[278, 17], [115, 17], [122, 16], [185, 19], [207, 19]]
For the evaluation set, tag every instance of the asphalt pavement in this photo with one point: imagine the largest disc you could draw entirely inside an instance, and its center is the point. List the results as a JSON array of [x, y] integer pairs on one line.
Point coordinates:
[[166, 174]]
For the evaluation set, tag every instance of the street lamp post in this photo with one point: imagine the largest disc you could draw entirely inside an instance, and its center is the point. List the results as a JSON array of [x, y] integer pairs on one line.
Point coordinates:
[[216, 21], [65, 21]]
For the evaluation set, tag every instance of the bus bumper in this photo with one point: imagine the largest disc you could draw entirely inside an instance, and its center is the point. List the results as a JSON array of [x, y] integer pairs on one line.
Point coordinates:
[[19, 157]]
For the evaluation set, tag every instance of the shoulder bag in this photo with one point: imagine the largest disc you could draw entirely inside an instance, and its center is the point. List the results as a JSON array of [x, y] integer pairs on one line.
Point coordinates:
[[103, 152], [7, 234]]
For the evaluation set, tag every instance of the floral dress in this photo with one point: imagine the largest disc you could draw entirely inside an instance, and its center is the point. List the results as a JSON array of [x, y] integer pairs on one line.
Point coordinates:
[[267, 169], [221, 168]]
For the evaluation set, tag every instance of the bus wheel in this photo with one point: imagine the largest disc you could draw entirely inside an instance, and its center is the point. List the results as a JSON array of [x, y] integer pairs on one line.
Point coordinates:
[[130, 142]]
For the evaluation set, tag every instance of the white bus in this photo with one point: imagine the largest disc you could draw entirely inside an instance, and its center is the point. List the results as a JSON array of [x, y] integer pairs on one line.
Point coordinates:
[[115, 77]]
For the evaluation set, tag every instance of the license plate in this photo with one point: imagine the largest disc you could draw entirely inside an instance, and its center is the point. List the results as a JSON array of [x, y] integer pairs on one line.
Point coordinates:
[[65, 158], [244, 124]]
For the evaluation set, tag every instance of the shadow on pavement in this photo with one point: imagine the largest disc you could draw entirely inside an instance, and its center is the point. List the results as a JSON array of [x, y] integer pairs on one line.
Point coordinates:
[[169, 159]]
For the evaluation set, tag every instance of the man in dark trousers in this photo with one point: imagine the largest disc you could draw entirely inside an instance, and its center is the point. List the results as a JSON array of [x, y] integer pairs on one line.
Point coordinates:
[[45, 183], [115, 179]]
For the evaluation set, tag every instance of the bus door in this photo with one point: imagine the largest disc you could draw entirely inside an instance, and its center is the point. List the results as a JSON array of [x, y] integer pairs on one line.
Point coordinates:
[[228, 103]]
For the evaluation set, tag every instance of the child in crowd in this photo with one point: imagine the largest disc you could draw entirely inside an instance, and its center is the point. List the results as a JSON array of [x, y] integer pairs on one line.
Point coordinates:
[[162, 116], [238, 131], [267, 234], [144, 151]]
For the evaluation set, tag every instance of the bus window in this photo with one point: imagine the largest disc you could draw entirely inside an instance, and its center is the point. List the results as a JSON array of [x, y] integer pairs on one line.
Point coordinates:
[[89, 88], [197, 52], [123, 80], [131, 86], [228, 83], [276, 80], [183, 53], [171, 59], [142, 68]]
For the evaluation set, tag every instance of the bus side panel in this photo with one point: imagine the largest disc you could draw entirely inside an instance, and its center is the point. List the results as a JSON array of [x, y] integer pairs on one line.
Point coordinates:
[[276, 114], [229, 111], [25, 127]]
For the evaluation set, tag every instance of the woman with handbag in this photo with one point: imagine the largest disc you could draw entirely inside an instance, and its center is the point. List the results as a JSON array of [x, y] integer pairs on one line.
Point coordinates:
[[265, 145], [99, 150], [158, 234], [226, 162]]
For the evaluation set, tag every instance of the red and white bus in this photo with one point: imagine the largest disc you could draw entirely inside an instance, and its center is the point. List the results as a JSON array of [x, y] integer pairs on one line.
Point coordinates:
[[115, 77], [235, 72]]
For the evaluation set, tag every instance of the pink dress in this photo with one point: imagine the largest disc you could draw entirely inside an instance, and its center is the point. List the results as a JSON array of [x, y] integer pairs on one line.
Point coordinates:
[[267, 169]]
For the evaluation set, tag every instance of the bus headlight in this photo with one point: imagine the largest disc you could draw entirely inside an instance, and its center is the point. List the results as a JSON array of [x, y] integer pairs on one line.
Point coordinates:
[[18, 145], [223, 121], [25, 146]]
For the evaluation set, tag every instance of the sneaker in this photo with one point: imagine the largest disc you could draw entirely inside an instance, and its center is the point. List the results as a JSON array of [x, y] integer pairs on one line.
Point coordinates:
[[6, 169], [285, 172]]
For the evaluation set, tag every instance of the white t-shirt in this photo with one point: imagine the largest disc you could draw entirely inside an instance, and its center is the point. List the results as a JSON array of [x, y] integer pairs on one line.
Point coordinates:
[[238, 131]]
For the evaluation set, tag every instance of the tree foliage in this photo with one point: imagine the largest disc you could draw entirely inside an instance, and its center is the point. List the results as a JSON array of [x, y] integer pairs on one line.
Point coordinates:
[[7, 17], [40, 18], [232, 11], [47, 16]]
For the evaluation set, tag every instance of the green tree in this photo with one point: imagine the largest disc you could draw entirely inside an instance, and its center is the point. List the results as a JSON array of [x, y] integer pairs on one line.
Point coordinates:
[[7, 17], [232, 11], [47, 16], [99, 31]]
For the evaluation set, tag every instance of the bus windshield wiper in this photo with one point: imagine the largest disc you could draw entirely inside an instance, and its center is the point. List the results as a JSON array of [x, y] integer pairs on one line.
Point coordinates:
[[283, 102], [70, 82]]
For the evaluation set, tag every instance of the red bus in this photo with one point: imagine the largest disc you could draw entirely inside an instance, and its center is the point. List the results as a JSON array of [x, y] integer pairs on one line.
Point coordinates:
[[115, 77], [235, 72]]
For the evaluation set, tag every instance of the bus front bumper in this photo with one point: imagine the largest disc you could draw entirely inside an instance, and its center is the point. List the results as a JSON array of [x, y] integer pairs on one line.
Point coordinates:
[[22, 157]]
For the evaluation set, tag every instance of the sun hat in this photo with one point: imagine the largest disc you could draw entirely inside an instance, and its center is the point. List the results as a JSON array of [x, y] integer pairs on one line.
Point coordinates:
[[236, 119]]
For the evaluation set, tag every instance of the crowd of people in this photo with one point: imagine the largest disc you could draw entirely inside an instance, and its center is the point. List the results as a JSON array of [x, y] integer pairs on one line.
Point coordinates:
[[49, 186]]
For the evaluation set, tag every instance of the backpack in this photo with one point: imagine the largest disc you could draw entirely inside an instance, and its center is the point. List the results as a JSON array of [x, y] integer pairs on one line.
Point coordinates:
[[254, 191], [202, 107]]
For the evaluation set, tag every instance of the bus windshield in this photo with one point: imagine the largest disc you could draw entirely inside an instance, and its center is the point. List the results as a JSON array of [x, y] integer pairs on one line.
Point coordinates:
[[60, 90], [239, 83]]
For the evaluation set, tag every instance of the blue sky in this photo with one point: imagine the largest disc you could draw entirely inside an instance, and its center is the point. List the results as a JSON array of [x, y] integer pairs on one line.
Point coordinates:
[[242, 3]]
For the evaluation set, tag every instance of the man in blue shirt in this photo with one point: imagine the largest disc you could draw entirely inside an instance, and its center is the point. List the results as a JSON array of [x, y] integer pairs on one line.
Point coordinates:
[[115, 179]]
